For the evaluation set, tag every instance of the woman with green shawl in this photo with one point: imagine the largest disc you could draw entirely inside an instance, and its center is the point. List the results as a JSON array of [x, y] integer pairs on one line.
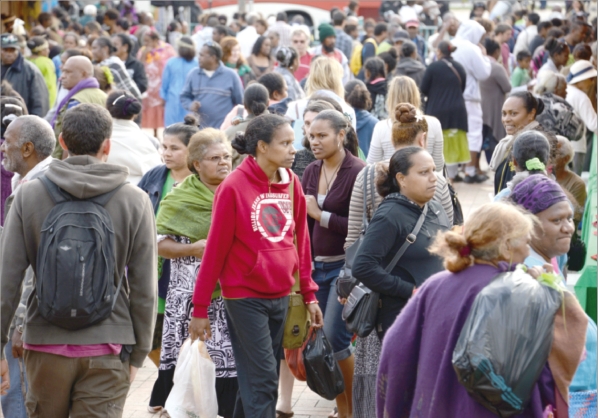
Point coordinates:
[[183, 222]]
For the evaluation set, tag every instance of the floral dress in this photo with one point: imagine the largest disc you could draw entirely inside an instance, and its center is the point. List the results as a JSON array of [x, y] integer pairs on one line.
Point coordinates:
[[177, 316]]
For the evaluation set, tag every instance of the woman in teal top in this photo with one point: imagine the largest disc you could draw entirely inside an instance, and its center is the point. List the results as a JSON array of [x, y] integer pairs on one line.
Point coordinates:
[[232, 58], [40, 50]]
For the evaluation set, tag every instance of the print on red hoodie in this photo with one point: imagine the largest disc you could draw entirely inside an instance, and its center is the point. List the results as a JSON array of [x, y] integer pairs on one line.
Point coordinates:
[[250, 246]]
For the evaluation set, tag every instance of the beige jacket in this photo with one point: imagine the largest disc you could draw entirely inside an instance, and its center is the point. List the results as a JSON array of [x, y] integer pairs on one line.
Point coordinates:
[[133, 317]]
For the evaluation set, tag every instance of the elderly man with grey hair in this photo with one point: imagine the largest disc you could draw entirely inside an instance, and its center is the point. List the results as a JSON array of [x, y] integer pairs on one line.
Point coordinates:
[[27, 152], [249, 35]]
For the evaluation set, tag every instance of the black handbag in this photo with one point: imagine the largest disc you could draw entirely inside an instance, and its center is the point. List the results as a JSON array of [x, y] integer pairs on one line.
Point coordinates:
[[457, 210], [346, 282], [361, 310]]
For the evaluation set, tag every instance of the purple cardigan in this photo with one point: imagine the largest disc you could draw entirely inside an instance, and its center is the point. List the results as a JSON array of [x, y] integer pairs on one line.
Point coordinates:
[[330, 241], [416, 376]]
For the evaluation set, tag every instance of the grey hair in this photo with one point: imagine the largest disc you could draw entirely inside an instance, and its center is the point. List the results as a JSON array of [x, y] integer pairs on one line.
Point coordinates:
[[251, 18], [565, 149], [548, 82], [39, 132]]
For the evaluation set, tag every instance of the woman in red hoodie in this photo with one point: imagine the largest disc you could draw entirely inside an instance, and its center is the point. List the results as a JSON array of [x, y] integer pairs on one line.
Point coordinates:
[[250, 250]]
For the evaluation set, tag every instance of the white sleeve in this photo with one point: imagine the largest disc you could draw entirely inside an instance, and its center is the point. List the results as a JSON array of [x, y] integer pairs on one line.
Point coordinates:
[[376, 153], [583, 107]]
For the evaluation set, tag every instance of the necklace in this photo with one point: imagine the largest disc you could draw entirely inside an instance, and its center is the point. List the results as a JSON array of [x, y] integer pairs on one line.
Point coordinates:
[[333, 175]]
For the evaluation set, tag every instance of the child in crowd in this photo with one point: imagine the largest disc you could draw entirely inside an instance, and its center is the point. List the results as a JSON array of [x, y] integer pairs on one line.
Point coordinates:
[[520, 76]]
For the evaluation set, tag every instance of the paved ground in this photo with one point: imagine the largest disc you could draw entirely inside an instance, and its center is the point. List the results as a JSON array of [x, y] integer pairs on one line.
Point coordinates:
[[306, 404]]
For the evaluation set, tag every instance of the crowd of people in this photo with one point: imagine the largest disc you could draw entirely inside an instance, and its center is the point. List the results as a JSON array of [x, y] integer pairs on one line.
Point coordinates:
[[226, 162]]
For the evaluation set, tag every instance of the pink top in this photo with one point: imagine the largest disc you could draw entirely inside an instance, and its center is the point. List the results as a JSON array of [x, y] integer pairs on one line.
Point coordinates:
[[75, 351], [505, 54], [303, 70]]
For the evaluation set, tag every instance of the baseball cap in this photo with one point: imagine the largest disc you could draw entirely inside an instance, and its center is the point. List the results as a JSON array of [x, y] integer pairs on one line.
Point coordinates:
[[400, 35], [8, 40], [412, 24]]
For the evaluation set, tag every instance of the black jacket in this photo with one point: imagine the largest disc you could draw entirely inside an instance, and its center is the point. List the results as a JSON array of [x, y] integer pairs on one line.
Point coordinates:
[[28, 81], [445, 94], [152, 183], [137, 72], [394, 219]]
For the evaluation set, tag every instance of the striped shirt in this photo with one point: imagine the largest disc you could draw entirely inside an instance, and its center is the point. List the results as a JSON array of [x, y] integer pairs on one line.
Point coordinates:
[[355, 227], [382, 148]]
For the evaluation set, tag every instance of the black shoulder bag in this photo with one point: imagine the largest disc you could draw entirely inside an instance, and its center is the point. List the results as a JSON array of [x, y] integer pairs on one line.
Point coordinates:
[[346, 282], [361, 310]]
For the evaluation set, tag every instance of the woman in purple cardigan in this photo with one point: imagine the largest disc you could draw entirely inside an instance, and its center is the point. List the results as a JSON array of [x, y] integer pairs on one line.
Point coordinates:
[[416, 375], [328, 184]]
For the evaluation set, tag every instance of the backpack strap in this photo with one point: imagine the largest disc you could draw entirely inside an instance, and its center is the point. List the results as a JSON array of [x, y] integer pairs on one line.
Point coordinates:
[[409, 240], [103, 199], [56, 193]]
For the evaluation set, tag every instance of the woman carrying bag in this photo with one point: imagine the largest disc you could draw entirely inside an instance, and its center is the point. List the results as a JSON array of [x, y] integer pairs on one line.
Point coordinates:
[[251, 251], [408, 188]]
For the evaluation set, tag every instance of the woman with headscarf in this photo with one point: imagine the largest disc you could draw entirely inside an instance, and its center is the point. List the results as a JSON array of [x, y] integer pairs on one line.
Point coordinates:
[[545, 199], [183, 222], [416, 374], [288, 63], [154, 54]]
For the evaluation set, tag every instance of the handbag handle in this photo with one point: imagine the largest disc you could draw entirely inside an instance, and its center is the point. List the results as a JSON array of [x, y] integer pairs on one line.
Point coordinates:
[[408, 241]]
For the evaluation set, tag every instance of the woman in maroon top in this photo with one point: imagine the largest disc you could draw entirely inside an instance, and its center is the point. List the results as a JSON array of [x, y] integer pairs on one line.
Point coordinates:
[[327, 184]]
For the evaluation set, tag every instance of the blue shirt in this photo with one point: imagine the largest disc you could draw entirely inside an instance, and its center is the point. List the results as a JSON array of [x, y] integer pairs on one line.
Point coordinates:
[[173, 80], [217, 94]]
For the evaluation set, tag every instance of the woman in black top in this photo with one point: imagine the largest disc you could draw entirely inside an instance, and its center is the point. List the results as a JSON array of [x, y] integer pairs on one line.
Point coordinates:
[[407, 188], [443, 86]]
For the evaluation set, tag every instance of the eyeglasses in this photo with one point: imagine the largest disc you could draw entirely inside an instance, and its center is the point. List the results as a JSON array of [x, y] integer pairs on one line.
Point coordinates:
[[217, 158], [297, 41]]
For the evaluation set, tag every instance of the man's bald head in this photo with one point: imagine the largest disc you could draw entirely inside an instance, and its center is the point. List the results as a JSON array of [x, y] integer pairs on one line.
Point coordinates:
[[74, 70]]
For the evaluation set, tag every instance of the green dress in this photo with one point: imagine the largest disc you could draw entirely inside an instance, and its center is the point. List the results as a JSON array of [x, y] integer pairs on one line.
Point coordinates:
[[48, 70]]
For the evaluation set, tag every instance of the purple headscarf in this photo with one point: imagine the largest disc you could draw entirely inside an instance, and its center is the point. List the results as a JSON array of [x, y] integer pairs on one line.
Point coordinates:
[[538, 193]]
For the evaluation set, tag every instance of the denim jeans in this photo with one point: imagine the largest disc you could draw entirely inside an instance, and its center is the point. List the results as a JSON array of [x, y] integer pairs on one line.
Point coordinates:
[[13, 403], [256, 328], [335, 329]]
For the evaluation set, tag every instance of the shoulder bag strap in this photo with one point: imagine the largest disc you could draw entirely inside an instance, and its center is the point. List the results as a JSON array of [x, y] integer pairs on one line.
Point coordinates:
[[454, 70], [296, 287], [365, 198], [409, 240]]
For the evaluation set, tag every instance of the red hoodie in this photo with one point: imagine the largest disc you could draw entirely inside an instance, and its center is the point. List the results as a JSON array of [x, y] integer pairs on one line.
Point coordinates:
[[250, 244]]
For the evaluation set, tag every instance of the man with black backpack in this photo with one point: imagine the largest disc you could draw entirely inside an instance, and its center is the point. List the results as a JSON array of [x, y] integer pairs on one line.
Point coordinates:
[[91, 240]]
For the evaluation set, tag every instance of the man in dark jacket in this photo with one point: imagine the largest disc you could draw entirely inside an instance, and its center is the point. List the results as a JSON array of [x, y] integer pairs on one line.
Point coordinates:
[[135, 68], [23, 76]]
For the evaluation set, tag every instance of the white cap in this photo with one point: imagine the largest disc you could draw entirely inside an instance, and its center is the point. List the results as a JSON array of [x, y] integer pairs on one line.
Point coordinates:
[[581, 70], [90, 10]]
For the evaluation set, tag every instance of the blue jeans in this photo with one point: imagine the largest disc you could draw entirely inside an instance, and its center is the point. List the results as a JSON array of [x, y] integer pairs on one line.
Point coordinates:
[[326, 275], [13, 403]]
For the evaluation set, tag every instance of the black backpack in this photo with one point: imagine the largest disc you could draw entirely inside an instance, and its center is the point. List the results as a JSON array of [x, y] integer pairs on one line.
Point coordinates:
[[76, 260]]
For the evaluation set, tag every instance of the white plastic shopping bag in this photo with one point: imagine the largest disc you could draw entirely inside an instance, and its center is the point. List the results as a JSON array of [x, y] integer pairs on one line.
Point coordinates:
[[194, 392]]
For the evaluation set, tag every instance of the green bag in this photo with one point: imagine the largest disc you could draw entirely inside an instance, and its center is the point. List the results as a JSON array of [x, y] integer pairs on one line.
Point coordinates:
[[298, 320]]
